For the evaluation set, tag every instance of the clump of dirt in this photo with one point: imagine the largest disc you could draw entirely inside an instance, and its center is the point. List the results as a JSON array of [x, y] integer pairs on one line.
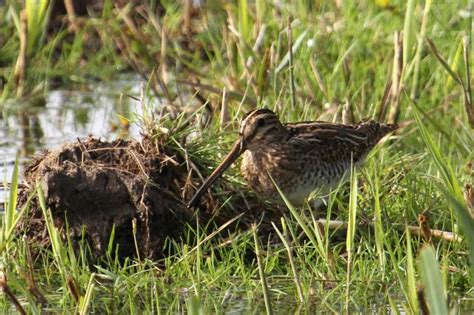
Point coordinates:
[[92, 187]]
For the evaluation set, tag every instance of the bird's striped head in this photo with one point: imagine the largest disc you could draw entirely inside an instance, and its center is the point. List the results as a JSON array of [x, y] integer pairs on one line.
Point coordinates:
[[260, 126], [257, 129]]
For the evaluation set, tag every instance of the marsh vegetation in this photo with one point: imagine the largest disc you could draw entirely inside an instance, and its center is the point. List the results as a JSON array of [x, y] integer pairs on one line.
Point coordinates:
[[176, 78]]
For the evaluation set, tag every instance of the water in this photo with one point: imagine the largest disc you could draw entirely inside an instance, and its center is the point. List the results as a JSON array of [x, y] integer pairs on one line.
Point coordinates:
[[65, 115]]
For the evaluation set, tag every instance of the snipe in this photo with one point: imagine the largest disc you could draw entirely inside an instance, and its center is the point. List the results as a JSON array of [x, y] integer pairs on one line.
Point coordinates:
[[300, 157]]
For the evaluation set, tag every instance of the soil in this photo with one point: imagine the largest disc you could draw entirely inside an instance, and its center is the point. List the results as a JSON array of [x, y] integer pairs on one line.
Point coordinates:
[[93, 187]]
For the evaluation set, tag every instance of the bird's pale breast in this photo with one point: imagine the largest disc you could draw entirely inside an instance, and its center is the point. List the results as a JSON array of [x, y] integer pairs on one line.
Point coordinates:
[[296, 176]]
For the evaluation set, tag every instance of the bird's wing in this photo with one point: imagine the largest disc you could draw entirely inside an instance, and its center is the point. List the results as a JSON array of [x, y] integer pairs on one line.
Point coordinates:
[[333, 142]]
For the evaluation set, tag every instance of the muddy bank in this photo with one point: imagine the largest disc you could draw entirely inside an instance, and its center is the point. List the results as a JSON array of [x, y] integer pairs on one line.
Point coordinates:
[[93, 186]]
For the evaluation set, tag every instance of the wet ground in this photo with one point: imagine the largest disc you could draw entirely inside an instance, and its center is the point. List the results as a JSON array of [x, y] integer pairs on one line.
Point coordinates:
[[65, 115]]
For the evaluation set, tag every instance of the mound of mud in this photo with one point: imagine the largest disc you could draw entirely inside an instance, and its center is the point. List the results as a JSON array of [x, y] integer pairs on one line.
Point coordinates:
[[93, 187]]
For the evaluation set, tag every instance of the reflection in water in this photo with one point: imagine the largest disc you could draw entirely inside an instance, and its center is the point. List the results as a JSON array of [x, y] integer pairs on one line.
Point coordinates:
[[37, 133], [65, 115], [25, 148]]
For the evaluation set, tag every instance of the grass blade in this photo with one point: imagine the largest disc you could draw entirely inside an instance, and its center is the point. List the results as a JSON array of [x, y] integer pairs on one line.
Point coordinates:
[[454, 65], [313, 235], [432, 283], [445, 65], [379, 232], [37, 13], [352, 213], [351, 227], [447, 174], [7, 233], [244, 20], [468, 104], [412, 293], [408, 31], [194, 305], [10, 216], [419, 49], [289, 250], [87, 299], [59, 252], [261, 271], [466, 222], [294, 48], [10, 210]]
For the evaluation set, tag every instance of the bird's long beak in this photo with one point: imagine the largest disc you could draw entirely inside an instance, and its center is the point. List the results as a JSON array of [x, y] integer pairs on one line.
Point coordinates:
[[237, 150]]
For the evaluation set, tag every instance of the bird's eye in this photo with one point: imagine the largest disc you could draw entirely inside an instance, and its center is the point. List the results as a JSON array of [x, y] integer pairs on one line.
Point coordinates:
[[260, 122]]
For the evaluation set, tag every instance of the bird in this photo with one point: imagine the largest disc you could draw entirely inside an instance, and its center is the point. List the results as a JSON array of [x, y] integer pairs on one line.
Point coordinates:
[[298, 157]]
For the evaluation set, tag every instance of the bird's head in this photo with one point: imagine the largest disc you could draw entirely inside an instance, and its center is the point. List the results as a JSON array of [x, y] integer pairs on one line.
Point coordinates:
[[258, 129]]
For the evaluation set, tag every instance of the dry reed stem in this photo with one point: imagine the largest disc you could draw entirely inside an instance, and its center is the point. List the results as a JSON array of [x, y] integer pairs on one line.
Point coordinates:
[[319, 79], [8, 293], [21, 63], [224, 116], [382, 110], [163, 53], [31, 282], [469, 198], [347, 115], [420, 293], [71, 15], [415, 230], [397, 73], [187, 17], [231, 94], [291, 66], [71, 284]]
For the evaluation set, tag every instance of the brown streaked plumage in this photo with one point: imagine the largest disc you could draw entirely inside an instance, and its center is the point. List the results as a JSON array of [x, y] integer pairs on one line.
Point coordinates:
[[300, 157]]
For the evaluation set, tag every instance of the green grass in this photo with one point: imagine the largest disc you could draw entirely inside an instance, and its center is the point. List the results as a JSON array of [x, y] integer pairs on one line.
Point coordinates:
[[338, 54]]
